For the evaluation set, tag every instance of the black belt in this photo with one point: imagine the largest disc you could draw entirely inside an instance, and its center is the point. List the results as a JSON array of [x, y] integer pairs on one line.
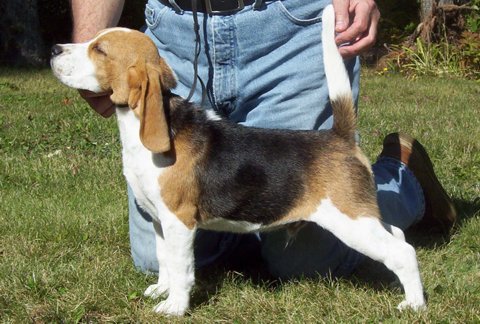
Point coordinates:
[[214, 7]]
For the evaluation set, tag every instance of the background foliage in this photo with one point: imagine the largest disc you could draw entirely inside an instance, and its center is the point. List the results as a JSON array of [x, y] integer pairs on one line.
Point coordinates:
[[38, 24], [29, 28], [444, 43]]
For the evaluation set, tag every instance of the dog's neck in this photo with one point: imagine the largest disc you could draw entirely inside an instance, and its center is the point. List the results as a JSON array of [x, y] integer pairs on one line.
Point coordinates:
[[183, 116]]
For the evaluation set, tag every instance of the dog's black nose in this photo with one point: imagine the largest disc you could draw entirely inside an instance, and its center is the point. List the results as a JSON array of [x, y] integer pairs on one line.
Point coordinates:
[[56, 50]]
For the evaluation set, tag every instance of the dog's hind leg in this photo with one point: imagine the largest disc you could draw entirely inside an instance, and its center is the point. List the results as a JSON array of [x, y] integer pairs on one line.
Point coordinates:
[[368, 236], [159, 289], [395, 231]]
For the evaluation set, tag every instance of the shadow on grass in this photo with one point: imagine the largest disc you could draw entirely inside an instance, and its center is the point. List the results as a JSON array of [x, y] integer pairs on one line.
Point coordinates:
[[375, 275], [252, 269], [246, 264], [466, 210], [433, 237]]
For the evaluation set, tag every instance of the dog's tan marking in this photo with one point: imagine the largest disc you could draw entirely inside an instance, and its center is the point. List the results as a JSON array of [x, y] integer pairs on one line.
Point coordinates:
[[344, 123], [179, 184], [314, 192], [354, 195], [112, 58], [332, 177], [363, 159]]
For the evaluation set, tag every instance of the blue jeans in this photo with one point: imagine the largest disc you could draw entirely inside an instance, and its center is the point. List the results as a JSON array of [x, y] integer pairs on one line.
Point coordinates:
[[264, 68]]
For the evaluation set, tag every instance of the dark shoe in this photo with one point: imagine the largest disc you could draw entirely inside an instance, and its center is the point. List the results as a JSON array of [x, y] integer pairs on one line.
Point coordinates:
[[439, 208]]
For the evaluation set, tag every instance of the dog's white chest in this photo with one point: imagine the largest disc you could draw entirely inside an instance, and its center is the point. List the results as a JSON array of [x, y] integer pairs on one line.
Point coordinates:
[[140, 166]]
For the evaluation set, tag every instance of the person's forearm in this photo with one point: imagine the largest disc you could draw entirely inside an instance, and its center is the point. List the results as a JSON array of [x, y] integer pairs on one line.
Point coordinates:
[[90, 16]]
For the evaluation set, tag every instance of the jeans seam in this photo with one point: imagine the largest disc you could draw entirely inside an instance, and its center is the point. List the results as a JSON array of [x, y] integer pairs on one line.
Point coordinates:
[[158, 12], [295, 20], [214, 62], [224, 74]]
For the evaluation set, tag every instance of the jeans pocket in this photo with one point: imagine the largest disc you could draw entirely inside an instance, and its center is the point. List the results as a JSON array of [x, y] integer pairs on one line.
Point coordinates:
[[302, 12], [153, 15]]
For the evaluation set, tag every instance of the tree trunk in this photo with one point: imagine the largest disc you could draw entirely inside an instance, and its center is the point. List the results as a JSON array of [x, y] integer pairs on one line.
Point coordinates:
[[426, 9], [441, 20], [20, 37]]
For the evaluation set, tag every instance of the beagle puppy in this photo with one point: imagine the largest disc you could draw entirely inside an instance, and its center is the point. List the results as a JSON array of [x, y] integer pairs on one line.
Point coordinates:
[[190, 169]]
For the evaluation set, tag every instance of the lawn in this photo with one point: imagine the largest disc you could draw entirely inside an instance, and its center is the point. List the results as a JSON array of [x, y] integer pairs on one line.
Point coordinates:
[[64, 249]]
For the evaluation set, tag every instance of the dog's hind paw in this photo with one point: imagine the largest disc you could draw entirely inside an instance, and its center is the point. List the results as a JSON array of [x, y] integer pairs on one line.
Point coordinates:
[[414, 305], [172, 307], [156, 290]]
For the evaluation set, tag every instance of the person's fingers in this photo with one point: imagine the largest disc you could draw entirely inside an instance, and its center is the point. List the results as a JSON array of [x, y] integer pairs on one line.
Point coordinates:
[[363, 43], [100, 102], [361, 21], [342, 15], [362, 33]]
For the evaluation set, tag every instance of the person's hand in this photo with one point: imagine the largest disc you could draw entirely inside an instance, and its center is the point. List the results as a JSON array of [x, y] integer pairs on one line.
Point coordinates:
[[356, 23], [100, 102]]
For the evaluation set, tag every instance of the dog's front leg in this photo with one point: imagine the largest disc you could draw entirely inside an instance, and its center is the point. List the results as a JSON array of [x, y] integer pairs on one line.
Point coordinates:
[[160, 289], [180, 265]]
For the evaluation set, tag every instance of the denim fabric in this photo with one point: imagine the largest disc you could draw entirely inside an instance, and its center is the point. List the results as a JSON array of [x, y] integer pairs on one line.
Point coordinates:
[[400, 196], [264, 68]]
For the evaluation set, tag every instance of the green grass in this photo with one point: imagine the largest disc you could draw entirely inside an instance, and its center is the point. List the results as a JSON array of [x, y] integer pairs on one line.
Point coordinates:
[[64, 250]]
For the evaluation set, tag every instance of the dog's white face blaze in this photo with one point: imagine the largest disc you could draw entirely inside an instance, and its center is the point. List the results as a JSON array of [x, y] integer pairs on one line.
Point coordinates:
[[75, 69]]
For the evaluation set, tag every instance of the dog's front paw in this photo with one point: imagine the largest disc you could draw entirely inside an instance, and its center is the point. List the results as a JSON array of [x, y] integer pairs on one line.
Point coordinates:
[[172, 306], [414, 305], [156, 290]]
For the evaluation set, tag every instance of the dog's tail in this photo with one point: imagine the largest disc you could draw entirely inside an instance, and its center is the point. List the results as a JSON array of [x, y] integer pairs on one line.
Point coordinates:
[[339, 88]]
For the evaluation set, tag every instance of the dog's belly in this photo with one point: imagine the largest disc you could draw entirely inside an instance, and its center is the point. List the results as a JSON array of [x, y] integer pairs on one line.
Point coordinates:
[[226, 225]]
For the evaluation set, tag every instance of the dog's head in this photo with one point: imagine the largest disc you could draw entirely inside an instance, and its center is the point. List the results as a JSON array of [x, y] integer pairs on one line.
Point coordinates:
[[126, 63]]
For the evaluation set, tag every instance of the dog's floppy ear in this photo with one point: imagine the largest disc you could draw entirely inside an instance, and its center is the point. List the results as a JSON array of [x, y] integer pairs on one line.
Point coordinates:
[[167, 78], [146, 83]]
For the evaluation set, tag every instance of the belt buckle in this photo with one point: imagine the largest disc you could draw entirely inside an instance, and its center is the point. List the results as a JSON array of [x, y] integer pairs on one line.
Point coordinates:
[[218, 11]]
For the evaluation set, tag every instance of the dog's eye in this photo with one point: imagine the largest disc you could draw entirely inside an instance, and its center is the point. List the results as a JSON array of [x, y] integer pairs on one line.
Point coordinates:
[[99, 50]]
